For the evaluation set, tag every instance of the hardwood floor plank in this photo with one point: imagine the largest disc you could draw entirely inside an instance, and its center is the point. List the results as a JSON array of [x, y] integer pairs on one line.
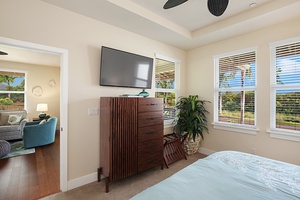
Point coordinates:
[[31, 176]]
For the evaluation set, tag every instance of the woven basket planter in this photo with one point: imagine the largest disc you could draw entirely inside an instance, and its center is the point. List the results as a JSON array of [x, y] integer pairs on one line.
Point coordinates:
[[190, 146]]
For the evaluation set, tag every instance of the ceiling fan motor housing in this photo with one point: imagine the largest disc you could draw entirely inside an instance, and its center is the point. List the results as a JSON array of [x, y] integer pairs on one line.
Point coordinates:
[[217, 7]]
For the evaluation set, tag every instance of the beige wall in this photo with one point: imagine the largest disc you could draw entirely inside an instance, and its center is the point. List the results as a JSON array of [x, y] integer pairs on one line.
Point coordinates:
[[201, 68], [38, 22], [39, 76]]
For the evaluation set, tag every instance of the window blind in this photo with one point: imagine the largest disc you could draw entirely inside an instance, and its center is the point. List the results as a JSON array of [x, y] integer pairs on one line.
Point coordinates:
[[237, 70], [285, 86], [236, 88]]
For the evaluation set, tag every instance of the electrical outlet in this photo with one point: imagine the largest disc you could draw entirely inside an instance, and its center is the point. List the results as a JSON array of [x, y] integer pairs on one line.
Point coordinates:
[[253, 151], [93, 111]]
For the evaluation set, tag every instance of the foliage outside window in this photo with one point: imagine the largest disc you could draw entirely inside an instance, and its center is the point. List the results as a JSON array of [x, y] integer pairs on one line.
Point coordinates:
[[165, 86], [12, 90], [285, 86], [235, 88]]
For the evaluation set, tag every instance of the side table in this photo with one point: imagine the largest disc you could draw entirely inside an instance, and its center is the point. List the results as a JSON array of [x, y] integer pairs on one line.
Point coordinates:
[[173, 150]]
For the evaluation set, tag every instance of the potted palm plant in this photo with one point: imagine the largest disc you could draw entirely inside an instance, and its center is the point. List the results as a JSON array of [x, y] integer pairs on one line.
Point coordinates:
[[191, 122]]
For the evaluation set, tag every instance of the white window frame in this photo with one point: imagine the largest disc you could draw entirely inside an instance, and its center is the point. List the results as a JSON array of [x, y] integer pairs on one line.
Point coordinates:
[[170, 122], [25, 88], [277, 132], [239, 128]]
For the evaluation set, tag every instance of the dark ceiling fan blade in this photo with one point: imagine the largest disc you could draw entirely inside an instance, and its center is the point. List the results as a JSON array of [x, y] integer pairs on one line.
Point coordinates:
[[3, 53], [173, 3], [217, 7]]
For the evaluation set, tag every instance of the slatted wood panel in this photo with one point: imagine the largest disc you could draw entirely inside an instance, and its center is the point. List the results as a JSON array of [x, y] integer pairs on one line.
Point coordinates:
[[124, 141]]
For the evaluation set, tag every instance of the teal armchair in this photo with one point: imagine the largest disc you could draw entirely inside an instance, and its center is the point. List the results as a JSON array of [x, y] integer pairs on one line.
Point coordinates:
[[35, 134]]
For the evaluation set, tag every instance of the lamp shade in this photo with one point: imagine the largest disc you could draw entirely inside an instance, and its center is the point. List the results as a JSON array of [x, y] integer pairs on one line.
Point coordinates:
[[42, 107]]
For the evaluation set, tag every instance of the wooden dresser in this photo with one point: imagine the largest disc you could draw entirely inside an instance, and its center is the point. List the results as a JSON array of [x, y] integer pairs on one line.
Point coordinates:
[[131, 136]]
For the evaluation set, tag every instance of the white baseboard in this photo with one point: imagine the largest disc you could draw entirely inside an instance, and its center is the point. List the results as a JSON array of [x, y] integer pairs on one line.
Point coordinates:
[[75, 183], [78, 182], [205, 151]]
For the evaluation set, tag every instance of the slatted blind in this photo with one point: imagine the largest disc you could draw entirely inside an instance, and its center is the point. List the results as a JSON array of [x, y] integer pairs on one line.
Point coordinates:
[[236, 88], [237, 70], [285, 86], [287, 64]]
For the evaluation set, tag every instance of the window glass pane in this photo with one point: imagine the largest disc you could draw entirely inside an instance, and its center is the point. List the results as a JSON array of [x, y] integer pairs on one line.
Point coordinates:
[[12, 90], [165, 86], [288, 70], [169, 98], [237, 71], [237, 107], [164, 74], [10, 81], [169, 103], [12, 101], [236, 88], [288, 109]]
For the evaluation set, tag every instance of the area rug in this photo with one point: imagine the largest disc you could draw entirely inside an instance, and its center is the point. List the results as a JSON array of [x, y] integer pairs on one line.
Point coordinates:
[[17, 149]]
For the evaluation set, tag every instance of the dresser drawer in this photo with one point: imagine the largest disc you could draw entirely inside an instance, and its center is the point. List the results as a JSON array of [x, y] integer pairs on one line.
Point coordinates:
[[150, 145], [150, 118], [150, 104], [151, 160], [150, 132], [150, 154]]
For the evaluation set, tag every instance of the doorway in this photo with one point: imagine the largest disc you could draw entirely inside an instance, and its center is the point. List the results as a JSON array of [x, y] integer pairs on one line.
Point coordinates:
[[63, 98]]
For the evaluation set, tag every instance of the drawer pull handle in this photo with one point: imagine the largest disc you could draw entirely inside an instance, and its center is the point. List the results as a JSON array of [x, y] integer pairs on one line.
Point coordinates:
[[151, 118], [151, 104], [151, 132]]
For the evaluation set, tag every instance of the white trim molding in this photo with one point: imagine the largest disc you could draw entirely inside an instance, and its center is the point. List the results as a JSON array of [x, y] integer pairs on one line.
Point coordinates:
[[252, 130], [284, 135]]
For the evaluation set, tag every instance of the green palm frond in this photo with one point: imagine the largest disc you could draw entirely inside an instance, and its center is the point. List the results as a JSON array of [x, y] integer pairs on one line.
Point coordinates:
[[191, 116]]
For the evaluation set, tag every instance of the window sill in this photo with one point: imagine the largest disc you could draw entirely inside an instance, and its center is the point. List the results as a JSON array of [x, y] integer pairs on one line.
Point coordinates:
[[251, 130], [285, 135], [169, 123]]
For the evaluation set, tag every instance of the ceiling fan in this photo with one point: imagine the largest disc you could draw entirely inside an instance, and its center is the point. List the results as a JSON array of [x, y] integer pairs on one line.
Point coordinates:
[[3, 53], [215, 7]]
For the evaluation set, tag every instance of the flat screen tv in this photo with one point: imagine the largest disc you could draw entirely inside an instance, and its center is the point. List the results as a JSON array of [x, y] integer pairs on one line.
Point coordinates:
[[123, 69]]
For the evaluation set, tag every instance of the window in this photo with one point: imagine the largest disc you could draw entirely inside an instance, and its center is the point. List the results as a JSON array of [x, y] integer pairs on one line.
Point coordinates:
[[12, 90], [285, 87], [235, 89], [165, 85]]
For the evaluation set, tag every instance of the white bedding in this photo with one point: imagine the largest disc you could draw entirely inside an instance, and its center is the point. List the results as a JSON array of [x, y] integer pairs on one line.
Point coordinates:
[[229, 175]]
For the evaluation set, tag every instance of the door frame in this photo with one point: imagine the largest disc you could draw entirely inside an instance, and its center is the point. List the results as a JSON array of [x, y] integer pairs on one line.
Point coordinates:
[[63, 53]]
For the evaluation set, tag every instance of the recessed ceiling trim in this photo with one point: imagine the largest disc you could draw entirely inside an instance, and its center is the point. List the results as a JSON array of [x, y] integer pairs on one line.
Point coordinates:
[[142, 12]]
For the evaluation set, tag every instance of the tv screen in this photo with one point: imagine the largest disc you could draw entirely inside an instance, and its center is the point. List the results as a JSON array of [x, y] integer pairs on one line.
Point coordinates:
[[124, 69]]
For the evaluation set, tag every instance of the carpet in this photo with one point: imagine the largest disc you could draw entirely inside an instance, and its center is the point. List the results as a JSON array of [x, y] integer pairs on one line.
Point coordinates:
[[17, 149]]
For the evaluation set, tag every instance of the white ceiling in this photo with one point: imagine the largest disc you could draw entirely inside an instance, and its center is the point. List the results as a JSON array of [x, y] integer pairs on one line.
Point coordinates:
[[186, 26]]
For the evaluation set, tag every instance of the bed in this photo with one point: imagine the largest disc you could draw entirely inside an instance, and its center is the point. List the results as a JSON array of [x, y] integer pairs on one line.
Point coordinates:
[[229, 175]]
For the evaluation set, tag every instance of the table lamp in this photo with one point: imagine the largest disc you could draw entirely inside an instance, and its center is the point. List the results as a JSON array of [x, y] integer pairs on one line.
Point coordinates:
[[42, 107]]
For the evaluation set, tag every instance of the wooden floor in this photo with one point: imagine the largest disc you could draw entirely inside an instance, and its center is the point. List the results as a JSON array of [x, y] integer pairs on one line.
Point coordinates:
[[31, 176]]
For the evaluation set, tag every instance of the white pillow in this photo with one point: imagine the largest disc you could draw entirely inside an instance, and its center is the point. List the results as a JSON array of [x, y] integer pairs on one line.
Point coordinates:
[[14, 119], [43, 121]]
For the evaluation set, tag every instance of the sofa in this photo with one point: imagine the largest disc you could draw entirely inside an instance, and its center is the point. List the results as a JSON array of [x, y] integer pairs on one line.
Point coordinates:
[[39, 133], [12, 123]]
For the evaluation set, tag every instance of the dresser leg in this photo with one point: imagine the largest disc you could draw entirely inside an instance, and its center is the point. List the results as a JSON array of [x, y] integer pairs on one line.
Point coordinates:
[[99, 174], [107, 184]]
